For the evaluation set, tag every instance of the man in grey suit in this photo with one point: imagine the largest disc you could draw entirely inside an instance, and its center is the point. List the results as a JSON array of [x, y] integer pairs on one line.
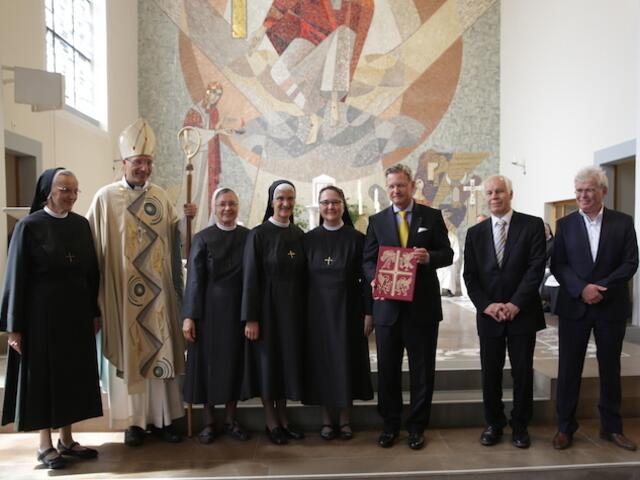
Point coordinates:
[[411, 325]]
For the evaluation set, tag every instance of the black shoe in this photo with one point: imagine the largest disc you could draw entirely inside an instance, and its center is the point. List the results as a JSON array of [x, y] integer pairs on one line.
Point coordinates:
[[134, 436], [387, 439], [521, 439], [236, 431], [277, 435], [345, 432], [51, 461], [327, 432], [207, 435], [77, 450], [416, 441], [167, 434], [490, 436], [293, 432]]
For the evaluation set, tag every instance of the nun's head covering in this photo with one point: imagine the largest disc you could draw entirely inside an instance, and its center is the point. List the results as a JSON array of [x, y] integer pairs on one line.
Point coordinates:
[[272, 191], [218, 191], [43, 189], [346, 218]]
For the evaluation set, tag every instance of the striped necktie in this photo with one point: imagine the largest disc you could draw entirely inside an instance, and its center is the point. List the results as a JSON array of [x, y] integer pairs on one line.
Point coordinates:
[[500, 240], [403, 228]]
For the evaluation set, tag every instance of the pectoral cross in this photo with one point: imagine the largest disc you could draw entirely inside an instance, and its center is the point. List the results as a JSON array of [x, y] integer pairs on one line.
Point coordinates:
[[291, 254], [328, 260], [69, 256]]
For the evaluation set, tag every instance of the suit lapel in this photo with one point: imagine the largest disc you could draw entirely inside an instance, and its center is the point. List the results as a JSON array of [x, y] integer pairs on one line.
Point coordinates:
[[416, 221], [486, 235], [605, 228], [394, 238], [582, 228], [515, 228]]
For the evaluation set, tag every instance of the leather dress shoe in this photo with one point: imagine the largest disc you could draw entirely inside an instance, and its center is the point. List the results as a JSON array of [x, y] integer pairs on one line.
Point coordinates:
[[490, 436], [293, 433], [416, 441], [277, 435], [387, 439], [521, 439], [134, 436], [562, 441], [345, 431], [167, 433], [619, 440]]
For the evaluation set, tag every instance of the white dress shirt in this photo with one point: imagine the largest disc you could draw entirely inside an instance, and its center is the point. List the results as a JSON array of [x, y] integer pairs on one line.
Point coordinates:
[[593, 231]]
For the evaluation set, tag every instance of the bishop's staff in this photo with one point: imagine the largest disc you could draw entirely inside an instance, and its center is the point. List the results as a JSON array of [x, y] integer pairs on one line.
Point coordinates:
[[190, 141]]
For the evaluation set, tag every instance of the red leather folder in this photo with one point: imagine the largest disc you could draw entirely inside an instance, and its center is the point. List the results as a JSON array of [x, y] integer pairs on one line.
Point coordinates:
[[396, 273]]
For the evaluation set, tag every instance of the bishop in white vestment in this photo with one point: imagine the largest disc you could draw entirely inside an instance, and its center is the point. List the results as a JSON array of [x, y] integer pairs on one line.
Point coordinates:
[[135, 229]]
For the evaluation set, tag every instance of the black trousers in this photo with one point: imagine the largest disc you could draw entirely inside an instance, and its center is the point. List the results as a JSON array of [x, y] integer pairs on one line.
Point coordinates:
[[492, 357], [573, 336], [420, 341]]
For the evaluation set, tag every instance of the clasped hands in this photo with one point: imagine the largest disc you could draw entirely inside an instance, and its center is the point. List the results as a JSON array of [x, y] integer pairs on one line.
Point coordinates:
[[592, 294], [502, 312]]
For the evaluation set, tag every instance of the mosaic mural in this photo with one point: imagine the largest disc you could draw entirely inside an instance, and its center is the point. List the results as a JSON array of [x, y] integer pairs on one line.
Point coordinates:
[[324, 91]]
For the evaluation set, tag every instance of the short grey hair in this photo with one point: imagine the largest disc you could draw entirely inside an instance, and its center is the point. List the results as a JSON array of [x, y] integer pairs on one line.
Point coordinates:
[[399, 168], [506, 180], [592, 173]]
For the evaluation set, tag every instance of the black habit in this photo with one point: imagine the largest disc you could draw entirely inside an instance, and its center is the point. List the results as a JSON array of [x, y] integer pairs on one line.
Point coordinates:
[[50, 297], [212, 299], [273, 295], [338, 297]]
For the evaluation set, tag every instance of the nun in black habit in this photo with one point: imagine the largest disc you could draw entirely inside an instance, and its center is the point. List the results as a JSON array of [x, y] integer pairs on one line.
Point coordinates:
[[48, 308], [273, 312], [338, 299], [211, 312]]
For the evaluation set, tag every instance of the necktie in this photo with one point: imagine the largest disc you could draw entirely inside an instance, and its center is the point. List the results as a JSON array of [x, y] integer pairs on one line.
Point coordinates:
[[500, 240], [403, 228]]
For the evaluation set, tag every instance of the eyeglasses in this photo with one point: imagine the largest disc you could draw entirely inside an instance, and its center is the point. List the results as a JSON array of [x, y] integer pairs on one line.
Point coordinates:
[[139, 162], [68, 190], [333, 203], [227, 204], [589, 191]]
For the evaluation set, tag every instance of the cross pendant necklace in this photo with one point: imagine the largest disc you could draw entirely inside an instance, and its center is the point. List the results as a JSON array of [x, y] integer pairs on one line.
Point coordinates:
[[69, 256]]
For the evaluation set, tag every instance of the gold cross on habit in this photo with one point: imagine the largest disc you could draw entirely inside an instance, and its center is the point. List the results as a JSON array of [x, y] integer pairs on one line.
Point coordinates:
[[328, 260], [291, 254], [69, 256]]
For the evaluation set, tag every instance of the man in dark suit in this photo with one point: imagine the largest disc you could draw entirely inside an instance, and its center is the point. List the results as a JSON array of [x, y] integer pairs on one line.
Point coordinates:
[[504, 259], [595, 254], [411, 325]]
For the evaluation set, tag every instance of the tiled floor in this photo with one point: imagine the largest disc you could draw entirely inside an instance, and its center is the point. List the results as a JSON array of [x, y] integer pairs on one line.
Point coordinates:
[[447, 450]]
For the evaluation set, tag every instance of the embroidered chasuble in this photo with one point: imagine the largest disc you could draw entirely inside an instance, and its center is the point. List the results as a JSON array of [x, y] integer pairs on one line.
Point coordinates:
[[137, 242]]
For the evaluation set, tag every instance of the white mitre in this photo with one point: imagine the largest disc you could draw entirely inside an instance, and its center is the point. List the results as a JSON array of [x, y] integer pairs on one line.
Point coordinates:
[[137, 139]]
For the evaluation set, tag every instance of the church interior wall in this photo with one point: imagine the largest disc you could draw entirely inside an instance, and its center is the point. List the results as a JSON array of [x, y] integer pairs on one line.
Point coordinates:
[[569, 76], [67, 139], [406, 80]]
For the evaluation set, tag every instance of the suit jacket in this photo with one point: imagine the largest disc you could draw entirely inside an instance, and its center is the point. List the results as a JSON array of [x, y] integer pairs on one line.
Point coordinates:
[[517, 281], [616, 262], [432, 235]]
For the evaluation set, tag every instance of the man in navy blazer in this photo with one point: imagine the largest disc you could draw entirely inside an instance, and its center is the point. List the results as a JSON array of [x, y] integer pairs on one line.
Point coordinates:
[[411, 325], [595, 254], [504, 261]]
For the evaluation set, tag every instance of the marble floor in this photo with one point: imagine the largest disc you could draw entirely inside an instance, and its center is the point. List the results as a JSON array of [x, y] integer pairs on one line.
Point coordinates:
[[450, 452]]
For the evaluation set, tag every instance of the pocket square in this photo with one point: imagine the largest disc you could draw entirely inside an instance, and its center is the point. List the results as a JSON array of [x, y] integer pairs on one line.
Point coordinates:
[[422, 229]]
